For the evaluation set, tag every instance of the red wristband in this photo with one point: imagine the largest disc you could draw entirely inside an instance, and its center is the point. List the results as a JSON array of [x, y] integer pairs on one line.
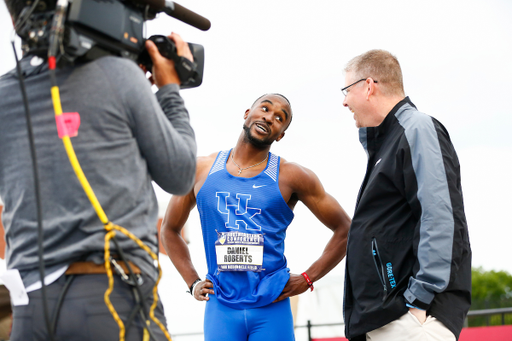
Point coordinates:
[[310, 284]]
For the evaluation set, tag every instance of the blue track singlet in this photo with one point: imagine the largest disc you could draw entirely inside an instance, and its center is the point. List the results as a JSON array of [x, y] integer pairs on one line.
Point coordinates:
[[244, 222]]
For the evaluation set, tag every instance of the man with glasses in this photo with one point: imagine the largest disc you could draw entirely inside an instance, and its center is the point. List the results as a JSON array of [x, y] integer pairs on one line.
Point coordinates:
[[408, 271]]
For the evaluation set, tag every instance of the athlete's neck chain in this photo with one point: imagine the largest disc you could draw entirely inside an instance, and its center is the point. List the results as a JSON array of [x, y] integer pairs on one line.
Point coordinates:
[[240, 169]]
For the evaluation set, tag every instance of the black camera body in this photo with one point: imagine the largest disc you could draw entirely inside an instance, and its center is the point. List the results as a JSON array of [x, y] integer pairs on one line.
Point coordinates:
[[190, 73], [107, 25], [96, 28]]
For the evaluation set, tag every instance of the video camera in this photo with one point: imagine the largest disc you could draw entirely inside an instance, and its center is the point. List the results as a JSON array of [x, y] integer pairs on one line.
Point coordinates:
[[95, 28]]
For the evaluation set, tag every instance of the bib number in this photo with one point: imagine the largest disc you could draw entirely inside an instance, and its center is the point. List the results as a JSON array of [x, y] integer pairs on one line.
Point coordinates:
[[237, 251]]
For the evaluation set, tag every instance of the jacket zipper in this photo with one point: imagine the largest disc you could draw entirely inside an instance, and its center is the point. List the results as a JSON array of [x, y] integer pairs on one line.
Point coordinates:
[[379, 266]]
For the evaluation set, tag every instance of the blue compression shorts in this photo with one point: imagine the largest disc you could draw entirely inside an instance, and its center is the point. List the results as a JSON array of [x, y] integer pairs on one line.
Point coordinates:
[[273, 322]]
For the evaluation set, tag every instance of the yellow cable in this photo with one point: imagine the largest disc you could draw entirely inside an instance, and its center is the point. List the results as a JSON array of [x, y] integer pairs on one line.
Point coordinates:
[[83, 180], [155, 293], [110, 234], [57, 107], [74, 161], [110, 228]]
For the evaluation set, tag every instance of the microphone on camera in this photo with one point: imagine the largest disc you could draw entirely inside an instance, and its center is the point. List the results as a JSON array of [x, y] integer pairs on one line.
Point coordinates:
[[187, 16], [179, 12]]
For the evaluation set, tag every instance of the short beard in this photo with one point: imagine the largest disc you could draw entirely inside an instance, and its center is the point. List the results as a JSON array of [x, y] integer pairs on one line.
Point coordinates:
[[260, 144]]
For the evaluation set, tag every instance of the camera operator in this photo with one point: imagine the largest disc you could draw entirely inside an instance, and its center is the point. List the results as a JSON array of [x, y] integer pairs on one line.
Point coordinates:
[[127, 138]]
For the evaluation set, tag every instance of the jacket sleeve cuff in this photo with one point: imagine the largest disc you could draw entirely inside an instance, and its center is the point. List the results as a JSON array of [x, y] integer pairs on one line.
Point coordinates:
[[411, 306], [410, 299]]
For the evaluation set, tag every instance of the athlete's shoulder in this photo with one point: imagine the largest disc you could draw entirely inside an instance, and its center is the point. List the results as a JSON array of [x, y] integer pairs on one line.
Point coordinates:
[[292, 172], [207, 160], [204, 163], [290, 166]]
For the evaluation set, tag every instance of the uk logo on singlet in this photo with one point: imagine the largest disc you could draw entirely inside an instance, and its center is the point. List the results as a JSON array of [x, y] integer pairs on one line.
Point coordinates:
[[239, 215]]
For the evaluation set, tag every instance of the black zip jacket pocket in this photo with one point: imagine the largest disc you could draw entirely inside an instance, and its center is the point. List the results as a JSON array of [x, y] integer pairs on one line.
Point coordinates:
[[381, 271]]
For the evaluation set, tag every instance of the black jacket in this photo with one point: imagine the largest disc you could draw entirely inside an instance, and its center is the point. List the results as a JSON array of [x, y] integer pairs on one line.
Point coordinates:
[[408, 242]]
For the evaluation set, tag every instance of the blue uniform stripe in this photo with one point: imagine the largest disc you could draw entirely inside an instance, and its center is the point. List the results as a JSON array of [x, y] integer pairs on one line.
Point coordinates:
[[219, 162], [272, 167]]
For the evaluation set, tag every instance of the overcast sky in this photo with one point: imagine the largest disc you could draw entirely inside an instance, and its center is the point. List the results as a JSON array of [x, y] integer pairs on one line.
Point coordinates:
[[456, 61]]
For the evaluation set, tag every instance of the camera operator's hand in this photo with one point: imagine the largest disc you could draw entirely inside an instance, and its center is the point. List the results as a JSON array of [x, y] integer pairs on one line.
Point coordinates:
[[181, 46], [163, 72]]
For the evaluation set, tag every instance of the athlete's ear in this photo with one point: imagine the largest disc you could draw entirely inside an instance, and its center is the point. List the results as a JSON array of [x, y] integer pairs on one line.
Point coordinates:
[[280, 137], [247, 113]]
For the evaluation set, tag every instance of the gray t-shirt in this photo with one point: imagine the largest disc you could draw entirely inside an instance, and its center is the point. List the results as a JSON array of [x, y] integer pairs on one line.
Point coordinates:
[[127, 138]]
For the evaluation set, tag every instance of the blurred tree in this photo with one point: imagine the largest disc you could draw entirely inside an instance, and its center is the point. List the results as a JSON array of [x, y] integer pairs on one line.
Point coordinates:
[[490, 289]]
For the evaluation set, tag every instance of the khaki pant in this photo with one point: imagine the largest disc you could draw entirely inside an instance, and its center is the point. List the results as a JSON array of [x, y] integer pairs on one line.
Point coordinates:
[[409, 328]]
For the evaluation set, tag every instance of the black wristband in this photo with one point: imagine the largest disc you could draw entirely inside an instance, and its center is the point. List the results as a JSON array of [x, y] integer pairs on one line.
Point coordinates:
[[190, 290]]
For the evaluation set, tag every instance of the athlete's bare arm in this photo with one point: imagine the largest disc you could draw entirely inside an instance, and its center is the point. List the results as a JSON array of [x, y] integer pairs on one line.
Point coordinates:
[[299, 183], [175, 218]]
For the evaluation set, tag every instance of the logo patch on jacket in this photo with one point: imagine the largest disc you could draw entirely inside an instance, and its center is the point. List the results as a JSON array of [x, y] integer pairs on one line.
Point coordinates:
[[391, 277]]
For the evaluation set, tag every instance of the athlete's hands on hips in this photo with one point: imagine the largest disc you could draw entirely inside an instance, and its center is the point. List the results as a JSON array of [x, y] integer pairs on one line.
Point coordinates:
[[202, 289], [296, 285], [163, 72]]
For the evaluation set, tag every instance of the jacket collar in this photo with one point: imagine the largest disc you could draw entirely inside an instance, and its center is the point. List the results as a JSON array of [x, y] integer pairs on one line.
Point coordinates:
[[376, 132]]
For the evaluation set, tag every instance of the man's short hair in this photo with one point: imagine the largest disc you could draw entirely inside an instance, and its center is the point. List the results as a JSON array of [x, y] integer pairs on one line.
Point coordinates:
[[277, 94], [381, 66], [272, 94]]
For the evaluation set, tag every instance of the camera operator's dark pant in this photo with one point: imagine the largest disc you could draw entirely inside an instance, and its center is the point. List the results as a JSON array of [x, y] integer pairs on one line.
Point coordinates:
[[84, 314]]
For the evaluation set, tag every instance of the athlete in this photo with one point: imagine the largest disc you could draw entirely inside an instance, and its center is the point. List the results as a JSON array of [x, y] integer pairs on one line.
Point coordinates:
[[245, 197]]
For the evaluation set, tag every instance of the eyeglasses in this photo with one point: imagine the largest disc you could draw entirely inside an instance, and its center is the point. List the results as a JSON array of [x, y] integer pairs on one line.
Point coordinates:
[[344, 90]]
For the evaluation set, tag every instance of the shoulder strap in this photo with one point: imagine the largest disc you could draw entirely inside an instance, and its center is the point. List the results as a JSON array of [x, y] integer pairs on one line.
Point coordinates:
[[220, 162], [273, 167]]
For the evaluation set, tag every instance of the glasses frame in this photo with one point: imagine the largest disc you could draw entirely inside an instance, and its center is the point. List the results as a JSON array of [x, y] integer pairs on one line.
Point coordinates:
[[344, 90]]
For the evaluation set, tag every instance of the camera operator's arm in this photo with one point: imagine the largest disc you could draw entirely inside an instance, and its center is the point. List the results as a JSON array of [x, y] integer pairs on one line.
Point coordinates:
[[183, 166], [163, 72], [165, 139]]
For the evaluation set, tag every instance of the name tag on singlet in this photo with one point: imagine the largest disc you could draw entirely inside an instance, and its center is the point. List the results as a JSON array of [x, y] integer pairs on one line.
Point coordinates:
[[238, 251]]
